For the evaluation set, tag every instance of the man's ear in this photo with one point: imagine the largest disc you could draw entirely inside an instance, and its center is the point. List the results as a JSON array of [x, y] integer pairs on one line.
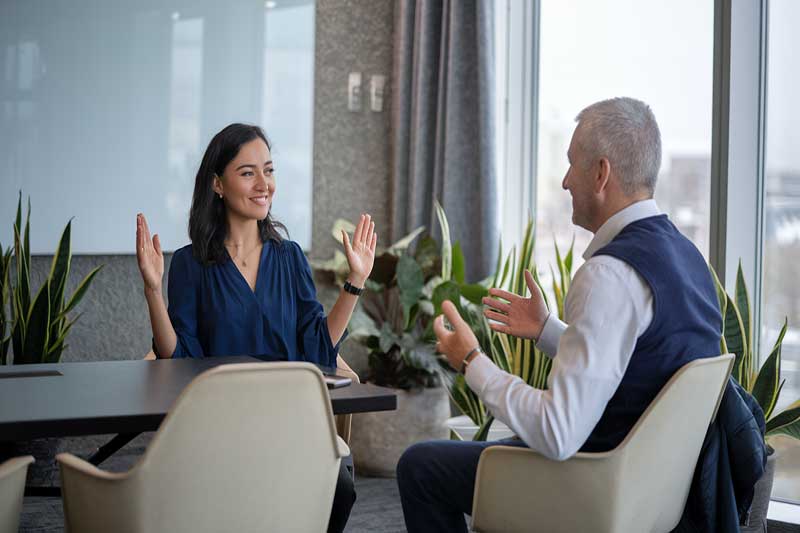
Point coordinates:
[[602, 175], [216, 185]]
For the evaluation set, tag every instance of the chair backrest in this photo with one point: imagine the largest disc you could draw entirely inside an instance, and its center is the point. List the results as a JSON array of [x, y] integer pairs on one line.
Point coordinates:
[[12, 486], [248, 447], [658, 457]]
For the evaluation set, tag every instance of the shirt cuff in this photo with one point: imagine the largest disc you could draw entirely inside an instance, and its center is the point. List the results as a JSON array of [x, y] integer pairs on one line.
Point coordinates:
[[479, 371], [551, 335]]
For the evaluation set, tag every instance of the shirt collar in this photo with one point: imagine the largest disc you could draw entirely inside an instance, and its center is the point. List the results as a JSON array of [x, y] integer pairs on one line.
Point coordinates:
[[615, 224]]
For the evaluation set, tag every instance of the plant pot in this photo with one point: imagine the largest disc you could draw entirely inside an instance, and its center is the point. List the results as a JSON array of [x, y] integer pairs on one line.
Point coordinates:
[[757, 518], [379, 439], [42, 473], [465, 428]]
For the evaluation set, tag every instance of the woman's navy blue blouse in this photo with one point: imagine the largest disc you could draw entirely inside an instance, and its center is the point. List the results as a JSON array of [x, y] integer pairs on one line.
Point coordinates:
[[215, 313]]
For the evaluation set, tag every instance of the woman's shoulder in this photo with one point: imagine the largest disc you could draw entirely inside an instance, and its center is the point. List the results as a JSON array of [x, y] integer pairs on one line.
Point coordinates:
[[287, 248], [184, 258]]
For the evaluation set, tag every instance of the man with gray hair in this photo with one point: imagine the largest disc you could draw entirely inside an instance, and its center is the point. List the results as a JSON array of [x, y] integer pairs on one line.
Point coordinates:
[[641, 306]]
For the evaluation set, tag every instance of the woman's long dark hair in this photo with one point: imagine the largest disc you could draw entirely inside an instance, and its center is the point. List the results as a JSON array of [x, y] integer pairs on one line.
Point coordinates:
[[208, 225]]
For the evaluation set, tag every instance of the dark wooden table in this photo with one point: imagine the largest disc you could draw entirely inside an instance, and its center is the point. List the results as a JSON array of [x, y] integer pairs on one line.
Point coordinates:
[[123, 397]]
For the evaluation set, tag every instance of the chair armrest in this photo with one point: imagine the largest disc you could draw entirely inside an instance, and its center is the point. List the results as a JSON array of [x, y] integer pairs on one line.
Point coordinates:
[[516, 488], [12, 487], [14, 464], [342, 449], [94, 498], [344, 422], [73, 465], [344, 368]]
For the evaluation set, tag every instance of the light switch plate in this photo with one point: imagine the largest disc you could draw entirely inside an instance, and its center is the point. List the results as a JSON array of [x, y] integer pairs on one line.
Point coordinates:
[[377, 84], [354, 91]]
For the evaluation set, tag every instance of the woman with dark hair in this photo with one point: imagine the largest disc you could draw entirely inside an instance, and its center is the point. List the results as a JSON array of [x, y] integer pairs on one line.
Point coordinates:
[[240, 288]]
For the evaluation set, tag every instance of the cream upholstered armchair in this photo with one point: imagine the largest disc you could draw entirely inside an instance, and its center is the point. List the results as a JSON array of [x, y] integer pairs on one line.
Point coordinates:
[[12, 487], [247, 447], [642, 485], [343, 422]]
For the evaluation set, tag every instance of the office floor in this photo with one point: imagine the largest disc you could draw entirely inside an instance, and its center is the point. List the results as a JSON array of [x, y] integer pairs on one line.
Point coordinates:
[[377, 509]]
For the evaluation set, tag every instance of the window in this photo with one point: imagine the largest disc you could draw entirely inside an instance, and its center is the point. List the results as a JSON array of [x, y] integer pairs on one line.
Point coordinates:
[[781, 245], [123, 98], [591, 51]]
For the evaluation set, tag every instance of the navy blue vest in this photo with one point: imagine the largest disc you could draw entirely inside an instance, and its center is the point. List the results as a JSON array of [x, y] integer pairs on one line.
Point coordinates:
[[686, 321]]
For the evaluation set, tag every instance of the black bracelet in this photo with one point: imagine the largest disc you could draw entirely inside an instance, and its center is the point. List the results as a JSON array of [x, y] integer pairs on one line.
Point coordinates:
[[349, 287], [466, 361]]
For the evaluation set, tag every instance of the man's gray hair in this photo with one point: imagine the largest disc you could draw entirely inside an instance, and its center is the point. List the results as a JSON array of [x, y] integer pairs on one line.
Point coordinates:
[[624, 131]]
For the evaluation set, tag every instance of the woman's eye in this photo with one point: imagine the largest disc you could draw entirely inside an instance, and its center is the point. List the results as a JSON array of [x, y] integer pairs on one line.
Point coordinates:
[[248, 174]]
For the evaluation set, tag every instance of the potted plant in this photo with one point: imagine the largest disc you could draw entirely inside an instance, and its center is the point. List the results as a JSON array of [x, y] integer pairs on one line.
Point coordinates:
[[517, 356], [763, 383], [39, 323], [394, 321]]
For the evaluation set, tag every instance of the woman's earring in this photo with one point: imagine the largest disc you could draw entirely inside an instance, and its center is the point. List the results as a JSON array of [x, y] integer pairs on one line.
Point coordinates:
[[220, 196]]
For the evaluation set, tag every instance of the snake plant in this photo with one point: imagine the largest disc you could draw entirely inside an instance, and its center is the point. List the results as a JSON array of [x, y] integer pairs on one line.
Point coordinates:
[[765, 383], [39, 323], [514, 355]]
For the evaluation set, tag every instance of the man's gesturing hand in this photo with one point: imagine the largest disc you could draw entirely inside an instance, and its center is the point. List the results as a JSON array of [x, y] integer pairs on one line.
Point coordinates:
[[520, 317], [456, 344]]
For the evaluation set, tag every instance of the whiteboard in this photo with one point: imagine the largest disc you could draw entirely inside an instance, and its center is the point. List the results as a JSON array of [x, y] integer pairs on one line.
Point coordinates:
[[106, 108]]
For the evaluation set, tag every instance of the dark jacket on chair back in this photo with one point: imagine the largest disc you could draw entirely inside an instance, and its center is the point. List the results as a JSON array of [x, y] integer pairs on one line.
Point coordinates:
[[732, 460]]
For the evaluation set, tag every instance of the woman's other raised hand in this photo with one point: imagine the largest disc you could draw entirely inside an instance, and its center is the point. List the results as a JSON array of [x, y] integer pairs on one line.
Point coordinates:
[[149, 256]]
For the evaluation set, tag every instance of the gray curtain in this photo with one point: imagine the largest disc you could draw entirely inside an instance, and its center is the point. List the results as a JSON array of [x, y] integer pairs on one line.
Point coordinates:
[[443, 124]]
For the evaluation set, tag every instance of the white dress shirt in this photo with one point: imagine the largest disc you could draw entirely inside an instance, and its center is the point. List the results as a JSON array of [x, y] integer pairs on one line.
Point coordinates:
[[608, 306]]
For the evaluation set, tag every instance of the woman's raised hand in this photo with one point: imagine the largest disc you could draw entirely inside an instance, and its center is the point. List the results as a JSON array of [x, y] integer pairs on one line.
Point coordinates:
[[361, 253], [149, 256]]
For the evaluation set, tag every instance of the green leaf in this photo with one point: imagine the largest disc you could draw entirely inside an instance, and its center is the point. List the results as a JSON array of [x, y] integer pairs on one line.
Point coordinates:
[[474, 292], [538, 281], [59, 272], [458, 263], [464, 398], [766, 388], [427, 254], [483, 430], [568, 260], [388, 339], [27, 236], [400, 246], [508, 268], [785, 423], [53, 354], [722, 296], [495, 279], [83, 286], [448, 290], [38, 331], [447, 251], [23, 286], [558, 295], [735, 339], [743, 304], [410, 281]]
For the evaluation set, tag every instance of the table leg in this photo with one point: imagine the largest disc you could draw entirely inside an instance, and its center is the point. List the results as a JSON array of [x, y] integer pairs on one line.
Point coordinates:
[[111, 447]]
